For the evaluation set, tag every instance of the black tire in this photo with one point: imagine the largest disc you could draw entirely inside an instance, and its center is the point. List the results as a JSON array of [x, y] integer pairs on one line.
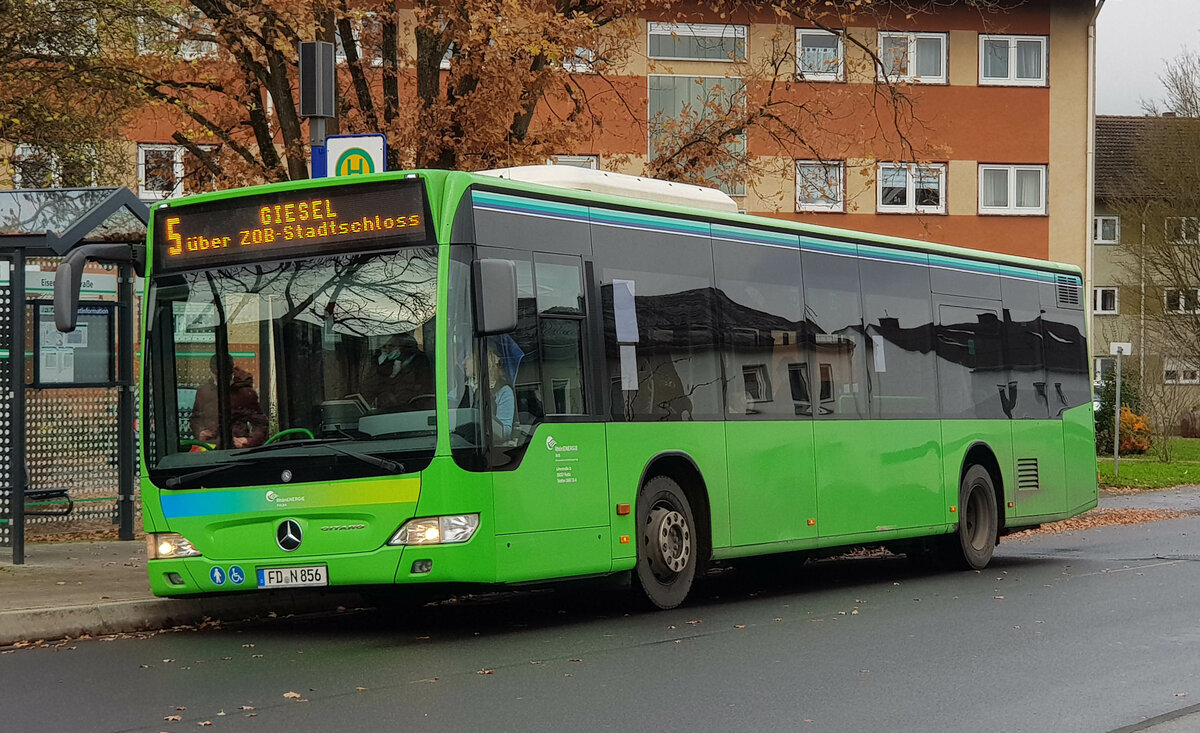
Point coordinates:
[[971, 547], [668, 546]]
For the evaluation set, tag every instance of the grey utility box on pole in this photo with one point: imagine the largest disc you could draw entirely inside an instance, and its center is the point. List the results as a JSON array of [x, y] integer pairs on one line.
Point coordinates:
[[317, 96], [316, 79]]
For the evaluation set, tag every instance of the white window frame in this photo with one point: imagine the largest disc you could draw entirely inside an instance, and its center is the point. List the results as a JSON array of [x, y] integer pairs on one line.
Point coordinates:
[[910, 54], [1098, 230], [583, 62], [1012, 209], [738, 189], [578, 161], [25, 150], [699, 30], [834, 171], [1186, 372], [177, 152], [1189, 300], [910, 207], [357, 25], [835, 73], [174, 30], [1188, 224], [1098, 301], [1098, 367], [1011, 79]]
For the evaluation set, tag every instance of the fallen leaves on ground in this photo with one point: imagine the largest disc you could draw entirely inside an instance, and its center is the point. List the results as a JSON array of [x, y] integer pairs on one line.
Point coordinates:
[[1101, 518]]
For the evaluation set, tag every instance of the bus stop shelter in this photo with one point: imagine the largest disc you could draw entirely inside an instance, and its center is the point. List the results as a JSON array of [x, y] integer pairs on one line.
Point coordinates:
[[67, 406]]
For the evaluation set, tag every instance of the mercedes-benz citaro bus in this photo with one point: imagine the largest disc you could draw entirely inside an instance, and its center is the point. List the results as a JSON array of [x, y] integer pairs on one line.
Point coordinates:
[[534, 374]]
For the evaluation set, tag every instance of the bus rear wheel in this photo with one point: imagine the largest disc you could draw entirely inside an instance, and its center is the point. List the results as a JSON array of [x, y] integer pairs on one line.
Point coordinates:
[[667, 551], [971, 547]]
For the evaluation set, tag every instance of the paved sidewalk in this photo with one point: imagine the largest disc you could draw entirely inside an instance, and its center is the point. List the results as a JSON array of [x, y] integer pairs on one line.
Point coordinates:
[[1180, 499], [75, 588]]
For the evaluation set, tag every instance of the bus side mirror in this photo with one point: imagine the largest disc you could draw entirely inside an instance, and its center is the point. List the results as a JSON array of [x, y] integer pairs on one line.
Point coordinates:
[[495, 296], [69, 275]]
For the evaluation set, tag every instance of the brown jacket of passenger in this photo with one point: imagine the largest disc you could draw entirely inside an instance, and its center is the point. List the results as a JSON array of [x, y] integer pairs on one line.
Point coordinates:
[[246, 414]]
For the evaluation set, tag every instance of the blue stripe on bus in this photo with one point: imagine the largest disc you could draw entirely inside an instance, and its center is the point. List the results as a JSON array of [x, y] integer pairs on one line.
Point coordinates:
[[492, 201]]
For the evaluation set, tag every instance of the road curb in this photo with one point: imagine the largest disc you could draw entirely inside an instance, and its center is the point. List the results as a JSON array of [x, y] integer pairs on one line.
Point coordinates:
[[151, 614]]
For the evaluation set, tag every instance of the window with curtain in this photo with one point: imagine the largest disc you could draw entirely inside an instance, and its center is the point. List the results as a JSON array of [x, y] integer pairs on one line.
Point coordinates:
[[697, 41], [1013, 190], [819, 55], [911, 188], [913, 57], [694, 99], [1107, 230], [1013, 60], [819, 186], [69, 166], [1104, 301]]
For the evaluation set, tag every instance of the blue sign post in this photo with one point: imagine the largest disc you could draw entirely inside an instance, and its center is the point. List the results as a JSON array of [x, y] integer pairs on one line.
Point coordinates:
[[318, 161]]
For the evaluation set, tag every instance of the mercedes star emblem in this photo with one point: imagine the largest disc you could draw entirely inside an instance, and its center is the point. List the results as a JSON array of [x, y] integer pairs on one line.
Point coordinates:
[[289, 535]]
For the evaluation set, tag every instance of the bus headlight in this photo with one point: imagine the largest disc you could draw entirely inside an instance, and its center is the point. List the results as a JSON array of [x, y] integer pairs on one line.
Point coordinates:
[[166, 545], [449, 529]]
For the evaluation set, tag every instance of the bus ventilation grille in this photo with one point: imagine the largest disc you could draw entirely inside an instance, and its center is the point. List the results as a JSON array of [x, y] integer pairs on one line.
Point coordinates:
[[1069, 291], [1027, 474]]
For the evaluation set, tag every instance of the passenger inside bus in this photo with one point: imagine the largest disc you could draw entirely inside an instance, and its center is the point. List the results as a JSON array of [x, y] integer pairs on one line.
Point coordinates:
[[247, 420], [399, 377], [503, 358]]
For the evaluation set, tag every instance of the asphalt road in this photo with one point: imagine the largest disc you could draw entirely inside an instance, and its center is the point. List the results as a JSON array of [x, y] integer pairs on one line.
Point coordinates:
[[1091, 631]]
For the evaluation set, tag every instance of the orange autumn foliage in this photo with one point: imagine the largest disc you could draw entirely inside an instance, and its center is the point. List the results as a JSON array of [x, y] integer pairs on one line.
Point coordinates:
[[1135, 432]]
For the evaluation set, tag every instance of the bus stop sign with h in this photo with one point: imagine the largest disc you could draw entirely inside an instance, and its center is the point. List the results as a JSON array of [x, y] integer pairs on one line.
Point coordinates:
[[332, 155]]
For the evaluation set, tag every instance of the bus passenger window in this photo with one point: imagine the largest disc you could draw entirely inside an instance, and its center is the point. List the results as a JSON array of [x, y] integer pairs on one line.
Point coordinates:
[[560, 305]]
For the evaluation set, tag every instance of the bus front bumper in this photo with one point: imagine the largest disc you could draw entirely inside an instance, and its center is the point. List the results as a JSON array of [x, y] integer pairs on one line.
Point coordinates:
[[467, 563]]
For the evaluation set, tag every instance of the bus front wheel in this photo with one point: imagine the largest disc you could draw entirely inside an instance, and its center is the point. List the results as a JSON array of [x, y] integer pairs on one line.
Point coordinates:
[[971, 547], [667, 551]]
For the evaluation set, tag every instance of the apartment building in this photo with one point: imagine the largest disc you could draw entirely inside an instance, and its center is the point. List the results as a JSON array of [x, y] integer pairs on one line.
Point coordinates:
[[1145, 238], [996, 156]]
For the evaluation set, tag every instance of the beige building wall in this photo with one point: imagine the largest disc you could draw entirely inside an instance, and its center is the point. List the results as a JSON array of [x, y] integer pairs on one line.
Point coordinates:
[[1067, 174]]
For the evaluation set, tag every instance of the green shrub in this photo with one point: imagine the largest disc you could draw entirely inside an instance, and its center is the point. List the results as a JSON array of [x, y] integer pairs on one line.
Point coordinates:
[[1131, 397]]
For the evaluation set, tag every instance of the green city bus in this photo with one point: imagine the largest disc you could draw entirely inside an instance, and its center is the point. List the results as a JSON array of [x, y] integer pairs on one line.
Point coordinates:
[[447, 379]]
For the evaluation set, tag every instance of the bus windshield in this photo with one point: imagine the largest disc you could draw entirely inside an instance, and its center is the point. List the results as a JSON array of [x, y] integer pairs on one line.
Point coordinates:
[[253, 365]]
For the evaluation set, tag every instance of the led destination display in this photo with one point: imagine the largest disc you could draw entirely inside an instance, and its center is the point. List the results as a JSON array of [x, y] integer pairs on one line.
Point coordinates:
[[287, 224]]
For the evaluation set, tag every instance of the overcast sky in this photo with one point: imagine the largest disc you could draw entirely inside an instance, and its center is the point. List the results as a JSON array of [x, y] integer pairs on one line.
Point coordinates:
[[1133, 39]]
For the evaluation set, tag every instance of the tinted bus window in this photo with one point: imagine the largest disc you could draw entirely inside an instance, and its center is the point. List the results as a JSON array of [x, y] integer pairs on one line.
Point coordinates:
[[1024, 394], [1066, 359], [762, 340], [834, 314], [971, 377], [660, 324], [899, 326]]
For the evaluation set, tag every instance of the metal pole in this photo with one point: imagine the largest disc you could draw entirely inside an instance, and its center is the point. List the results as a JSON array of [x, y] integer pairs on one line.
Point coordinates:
[[17, 357], [126, 460], [1117, 420]]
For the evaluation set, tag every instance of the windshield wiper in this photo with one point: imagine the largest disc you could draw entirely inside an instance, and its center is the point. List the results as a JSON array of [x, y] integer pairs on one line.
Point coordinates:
[[377, 462], [176, 481], [385, 464]]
